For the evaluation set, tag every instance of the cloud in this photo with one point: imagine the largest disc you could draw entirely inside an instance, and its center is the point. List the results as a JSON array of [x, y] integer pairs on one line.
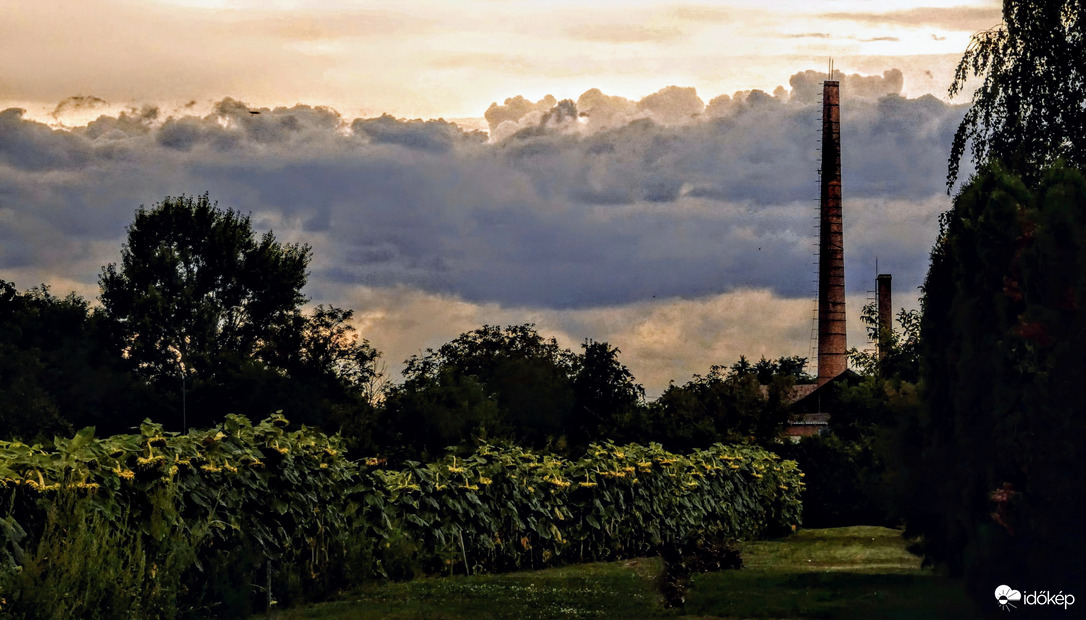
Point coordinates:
[[703, 14], [28, 145], [960, 18], [603, 111], [601, 216], [436, 136], [807, 85], [78, 103], [673, 105], [518, 110], [126, 124], [332, 25], [625, 33]]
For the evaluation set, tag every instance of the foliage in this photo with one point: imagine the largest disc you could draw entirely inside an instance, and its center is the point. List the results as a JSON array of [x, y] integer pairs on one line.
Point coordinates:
[[605, 393], [509, 383], [1003, 332], [899, 358], [210, 314], [87, 565], [56, 370], [506, 507], [683, 559], [767, 371], [742, 403], [332, 376], [420, 418], [528, 376], [1031, 108], [233, 494], [842, 478], [216, 509], [330, 346], [854, 473], [194, 282]]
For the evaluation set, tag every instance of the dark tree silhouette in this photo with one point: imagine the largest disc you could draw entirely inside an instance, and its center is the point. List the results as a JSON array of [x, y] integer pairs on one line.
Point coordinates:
[[211, 314], [57, 370], [995, 488], [1030, 109], [194, 283]]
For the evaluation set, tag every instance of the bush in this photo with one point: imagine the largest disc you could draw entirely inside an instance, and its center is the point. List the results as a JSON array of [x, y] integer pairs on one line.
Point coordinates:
[[840, 476]]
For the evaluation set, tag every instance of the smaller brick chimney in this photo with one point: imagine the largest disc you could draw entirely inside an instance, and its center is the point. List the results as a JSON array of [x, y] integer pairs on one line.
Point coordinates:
[[886, 313]]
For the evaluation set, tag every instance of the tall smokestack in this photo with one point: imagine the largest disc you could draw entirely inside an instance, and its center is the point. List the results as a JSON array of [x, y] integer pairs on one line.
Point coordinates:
[[832, 356], [886, 313]]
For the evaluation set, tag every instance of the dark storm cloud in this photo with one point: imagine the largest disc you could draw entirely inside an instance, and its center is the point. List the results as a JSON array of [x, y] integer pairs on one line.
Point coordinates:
[[437, 136], [570, 204], [27, 145]]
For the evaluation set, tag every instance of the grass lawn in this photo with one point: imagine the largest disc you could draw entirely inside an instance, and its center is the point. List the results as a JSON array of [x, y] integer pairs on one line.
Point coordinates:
[[854, 572]]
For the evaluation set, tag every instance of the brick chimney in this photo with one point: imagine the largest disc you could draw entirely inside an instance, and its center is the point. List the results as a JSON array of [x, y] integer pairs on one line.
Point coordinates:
[[832, 356]]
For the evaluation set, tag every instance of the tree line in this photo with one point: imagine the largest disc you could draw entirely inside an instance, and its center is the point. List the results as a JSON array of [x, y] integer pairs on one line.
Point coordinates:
[[201, 317]]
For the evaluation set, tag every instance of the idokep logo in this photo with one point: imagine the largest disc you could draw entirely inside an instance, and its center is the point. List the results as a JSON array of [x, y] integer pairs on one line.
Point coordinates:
[[1007, 596]]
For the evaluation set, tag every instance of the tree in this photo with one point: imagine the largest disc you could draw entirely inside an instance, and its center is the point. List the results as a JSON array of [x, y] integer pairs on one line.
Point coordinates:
[[56, 369], [746, 401], [201, 307], [1003, 330], [767, 371], [512, 383], [900, 356], [428, 413], [1030, 111], [605, 394], [333, 375], [525, 377], [195, 284]]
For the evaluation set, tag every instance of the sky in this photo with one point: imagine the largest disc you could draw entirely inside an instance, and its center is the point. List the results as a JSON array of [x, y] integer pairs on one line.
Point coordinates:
[[639, 172]]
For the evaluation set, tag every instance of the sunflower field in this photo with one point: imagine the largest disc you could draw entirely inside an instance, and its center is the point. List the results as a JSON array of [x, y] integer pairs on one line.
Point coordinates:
[[239, 517]]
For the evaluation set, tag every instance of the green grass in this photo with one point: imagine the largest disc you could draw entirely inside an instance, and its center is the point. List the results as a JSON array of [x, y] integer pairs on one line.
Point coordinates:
[[855, 572], [614, 589]]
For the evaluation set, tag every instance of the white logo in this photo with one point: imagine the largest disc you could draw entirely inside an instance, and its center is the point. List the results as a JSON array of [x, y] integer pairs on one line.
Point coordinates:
[[1005, 595]]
